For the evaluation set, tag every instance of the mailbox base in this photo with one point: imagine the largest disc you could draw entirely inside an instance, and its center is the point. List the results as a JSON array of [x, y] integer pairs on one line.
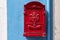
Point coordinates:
[[35, 35]]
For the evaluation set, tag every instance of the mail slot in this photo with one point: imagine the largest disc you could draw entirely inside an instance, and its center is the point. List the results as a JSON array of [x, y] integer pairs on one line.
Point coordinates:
[[34, 19]]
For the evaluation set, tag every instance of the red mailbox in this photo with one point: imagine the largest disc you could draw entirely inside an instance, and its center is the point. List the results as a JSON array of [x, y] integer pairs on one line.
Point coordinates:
[[34, 19]]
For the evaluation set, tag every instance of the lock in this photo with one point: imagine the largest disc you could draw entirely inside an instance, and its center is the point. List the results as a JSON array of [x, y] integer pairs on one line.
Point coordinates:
[[34, 19]]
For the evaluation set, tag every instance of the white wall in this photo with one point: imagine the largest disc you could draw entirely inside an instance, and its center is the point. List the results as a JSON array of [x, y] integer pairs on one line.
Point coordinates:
[[3, 20], [56, 19]]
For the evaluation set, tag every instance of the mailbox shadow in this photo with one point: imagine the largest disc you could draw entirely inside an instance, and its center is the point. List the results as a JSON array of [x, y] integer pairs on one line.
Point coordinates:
[[41, 38], [36, 38]]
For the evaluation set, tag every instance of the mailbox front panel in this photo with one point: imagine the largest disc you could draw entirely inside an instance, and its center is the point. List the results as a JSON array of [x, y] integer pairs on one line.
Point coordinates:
[[34, 19]]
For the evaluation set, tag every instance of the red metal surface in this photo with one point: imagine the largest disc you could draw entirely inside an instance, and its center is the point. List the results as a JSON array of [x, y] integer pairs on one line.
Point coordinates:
[[34, 19]]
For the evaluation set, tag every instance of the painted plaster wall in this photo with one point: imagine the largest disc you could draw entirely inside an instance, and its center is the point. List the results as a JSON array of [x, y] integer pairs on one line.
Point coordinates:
[[56, 19], [15, 19], [3, 20]]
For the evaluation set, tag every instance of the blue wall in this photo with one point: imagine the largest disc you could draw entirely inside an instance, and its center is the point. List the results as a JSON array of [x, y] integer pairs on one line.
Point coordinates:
[[15, 20]]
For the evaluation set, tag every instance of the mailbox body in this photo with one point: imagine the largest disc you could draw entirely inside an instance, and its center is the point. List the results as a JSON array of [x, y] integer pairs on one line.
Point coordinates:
[[34, 19]]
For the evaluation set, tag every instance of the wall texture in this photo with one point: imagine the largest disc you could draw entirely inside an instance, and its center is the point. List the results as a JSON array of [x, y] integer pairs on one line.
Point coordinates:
[[56, 19], [3, 20]]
